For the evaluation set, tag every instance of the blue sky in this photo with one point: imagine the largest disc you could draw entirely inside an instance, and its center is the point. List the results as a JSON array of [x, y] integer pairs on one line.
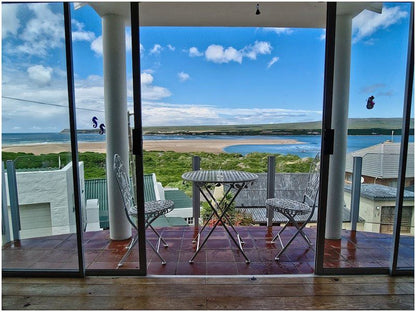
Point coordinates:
[[193, 76]]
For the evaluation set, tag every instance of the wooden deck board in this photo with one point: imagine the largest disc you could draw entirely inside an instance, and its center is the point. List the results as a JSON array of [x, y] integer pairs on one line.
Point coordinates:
[[149, 293]]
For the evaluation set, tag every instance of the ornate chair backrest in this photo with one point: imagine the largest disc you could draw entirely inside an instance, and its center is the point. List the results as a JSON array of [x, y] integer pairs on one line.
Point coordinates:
[[123, 182], [312, 188]]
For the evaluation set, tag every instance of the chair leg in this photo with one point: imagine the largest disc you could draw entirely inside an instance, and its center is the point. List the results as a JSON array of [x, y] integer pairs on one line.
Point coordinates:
[[129, 249], [156, 251], [165, 244], [278, 234], [298, 230], [133, 242], [160, 238]]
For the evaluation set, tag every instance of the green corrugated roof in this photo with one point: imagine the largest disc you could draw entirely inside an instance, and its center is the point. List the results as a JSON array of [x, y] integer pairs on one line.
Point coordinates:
[[97, 188], [180, 199], [149, 188], [169, 221]]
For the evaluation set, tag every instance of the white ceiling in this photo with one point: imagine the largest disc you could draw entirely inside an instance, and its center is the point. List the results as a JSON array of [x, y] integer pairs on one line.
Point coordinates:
[[273, 14]]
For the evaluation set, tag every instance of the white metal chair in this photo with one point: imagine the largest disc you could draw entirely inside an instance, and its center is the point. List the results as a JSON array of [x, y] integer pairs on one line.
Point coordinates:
[[153, 209], [298, 213]]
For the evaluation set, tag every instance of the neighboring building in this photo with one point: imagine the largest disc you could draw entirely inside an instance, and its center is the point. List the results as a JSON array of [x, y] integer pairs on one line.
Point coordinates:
[[47, 207], [182, 213], [153, 190], [377, 204], [183, 205], [46, 202], [379, 175], [380, 164]]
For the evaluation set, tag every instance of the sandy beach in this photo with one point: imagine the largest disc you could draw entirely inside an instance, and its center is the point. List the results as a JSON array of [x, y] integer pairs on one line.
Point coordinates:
[[211, 146]]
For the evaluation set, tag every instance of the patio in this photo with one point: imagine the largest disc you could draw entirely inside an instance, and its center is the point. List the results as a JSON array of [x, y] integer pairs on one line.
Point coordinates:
[[218, 257]]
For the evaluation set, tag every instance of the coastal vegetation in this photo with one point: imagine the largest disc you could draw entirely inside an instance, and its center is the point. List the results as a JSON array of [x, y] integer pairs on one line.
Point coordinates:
[[356, 126], [168, 166]]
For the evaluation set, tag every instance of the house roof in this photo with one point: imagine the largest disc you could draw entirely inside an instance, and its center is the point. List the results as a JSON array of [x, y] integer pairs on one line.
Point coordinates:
[[229, 14], [149, 187], [164, 221], [382, 160], [180, 199], [380, 192]]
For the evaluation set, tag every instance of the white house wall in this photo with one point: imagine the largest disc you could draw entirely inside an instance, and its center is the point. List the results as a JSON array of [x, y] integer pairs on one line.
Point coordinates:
[[370, 211], [53, 187]]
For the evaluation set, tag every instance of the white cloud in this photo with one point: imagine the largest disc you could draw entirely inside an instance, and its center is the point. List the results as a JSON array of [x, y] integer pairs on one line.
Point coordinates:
[[97, 45], [40, 75], [217, 54], [323, 35], [199, 114], [83, 36], [150, 91], [367, 22], [10, 22], [89, 93], [279, 30], [156, 114], [79, 34], [265, 115], [183, 76], [146, 78], [128, 41], [193, 52], [170, 47], [273, 60], [27, 116], [43, 31], [259, 47], [157, 48]]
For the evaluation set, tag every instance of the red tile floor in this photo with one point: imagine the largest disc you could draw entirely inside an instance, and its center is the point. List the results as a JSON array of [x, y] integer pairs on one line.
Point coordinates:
[[218, 257]]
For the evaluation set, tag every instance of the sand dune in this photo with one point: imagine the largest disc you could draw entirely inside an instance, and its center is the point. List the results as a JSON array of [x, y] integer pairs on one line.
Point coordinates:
[[211, 145]]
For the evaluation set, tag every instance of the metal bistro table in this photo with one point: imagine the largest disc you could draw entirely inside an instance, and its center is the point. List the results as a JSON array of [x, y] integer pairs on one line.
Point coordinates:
[[205, 180]]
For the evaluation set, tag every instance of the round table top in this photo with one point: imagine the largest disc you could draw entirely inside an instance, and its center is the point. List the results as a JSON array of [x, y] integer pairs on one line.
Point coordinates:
[[219, 176]]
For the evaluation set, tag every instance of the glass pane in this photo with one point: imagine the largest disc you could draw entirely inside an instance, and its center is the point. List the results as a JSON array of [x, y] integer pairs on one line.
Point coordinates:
[[232, 111], [101, 252], [39, 233], [374, 128]]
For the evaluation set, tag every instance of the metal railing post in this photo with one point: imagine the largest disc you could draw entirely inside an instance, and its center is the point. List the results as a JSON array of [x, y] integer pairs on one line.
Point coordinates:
[[271, 176], [196, 206], [356, 191], [4, 210], [14, 202]]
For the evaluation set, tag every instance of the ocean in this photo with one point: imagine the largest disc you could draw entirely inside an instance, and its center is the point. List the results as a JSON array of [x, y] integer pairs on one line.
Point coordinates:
[[312, 143]]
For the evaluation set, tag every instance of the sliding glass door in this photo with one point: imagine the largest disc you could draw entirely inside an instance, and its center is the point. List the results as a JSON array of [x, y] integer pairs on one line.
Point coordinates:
[[41, 198], [370, 182]]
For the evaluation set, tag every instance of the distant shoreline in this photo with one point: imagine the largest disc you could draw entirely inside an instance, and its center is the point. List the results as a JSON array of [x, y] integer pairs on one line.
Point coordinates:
[[184, 146]]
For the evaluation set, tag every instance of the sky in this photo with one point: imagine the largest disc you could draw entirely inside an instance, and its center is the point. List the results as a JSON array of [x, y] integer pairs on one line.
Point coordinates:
[[195, 75]]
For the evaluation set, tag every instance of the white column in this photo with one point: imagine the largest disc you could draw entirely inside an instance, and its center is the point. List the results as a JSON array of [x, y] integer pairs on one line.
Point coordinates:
[[115, 101], [340, 126]]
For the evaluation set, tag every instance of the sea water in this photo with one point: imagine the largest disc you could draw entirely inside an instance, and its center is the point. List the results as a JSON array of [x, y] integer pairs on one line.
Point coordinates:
[[312, 145], [308, 147]]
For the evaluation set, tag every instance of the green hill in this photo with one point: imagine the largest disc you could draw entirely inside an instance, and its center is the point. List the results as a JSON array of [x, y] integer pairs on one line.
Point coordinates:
[[355, 126]]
